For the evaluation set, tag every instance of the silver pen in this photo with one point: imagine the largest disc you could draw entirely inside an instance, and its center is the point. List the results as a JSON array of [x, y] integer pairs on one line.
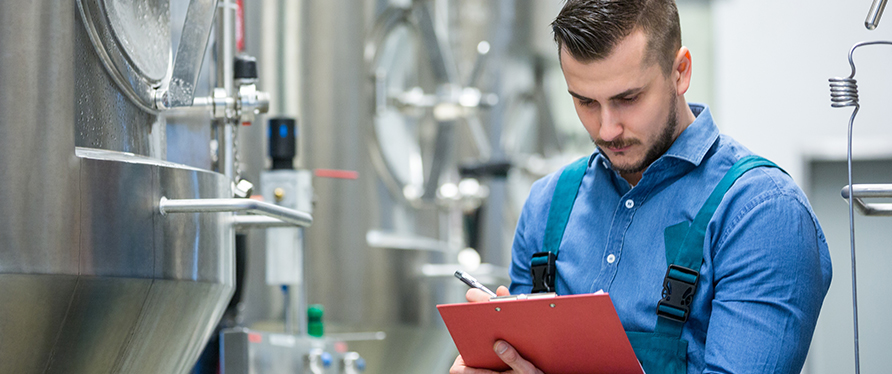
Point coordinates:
[[470, 281]]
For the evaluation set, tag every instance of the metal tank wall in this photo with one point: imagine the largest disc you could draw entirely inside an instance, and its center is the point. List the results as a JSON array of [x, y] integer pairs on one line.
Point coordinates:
[[104, 118], [334, 106], [93, 278], [38, 168]]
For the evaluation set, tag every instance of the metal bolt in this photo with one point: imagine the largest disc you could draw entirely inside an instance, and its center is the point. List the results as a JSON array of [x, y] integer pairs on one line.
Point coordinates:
[[279, 193], [498, 309], [552, 305], [243, 188]]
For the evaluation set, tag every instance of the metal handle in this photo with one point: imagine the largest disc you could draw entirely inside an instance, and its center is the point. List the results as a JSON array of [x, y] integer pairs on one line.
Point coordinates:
[[291, 216], [870, 190], [876, 11]]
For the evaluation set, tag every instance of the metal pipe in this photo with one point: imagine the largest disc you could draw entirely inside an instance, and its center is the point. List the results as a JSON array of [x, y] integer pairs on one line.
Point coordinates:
[[254, 221], [873, 16], [292, 216], [870, 191], [225, 43], [228, 150]]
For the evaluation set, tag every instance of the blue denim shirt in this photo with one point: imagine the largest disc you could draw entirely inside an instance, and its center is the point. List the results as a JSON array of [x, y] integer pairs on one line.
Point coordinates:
[[766, 267]]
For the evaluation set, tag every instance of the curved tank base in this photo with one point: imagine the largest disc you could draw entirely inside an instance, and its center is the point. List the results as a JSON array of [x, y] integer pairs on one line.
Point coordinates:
[[69, 324]]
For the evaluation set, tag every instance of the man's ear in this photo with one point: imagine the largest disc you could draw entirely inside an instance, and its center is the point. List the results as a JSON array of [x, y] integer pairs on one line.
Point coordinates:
[[681, 70]]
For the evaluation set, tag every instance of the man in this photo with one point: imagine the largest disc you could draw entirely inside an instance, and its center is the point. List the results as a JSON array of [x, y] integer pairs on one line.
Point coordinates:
[[761, 263]]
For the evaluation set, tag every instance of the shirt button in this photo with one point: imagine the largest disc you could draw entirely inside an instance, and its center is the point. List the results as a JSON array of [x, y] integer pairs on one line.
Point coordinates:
[[611, 258], [630, 203]]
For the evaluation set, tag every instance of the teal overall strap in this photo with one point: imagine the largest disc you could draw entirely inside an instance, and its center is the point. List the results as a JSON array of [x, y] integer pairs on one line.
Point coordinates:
[[684, 253], [542, 265]]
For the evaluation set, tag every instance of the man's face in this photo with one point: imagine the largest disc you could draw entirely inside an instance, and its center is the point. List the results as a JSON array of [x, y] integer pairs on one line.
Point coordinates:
[[625, 103]]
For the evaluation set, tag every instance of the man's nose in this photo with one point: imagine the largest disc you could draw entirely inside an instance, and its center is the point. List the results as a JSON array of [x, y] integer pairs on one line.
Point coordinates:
[[611, 127]]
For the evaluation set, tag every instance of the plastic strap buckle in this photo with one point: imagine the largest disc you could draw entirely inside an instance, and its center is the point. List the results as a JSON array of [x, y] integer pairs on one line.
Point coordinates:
[[679, 287], [543, 270]]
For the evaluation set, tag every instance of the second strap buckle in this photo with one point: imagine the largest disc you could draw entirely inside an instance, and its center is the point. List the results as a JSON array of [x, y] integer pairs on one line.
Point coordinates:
[[679, 287]]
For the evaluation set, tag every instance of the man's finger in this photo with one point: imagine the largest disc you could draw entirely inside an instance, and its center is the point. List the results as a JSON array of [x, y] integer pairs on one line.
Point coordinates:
[[502, 291], [475, 296], [510, 356]]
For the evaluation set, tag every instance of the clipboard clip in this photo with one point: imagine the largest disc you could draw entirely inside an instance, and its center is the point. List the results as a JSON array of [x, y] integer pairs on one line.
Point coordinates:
[[543, 269], [523, 296], [679, 287]]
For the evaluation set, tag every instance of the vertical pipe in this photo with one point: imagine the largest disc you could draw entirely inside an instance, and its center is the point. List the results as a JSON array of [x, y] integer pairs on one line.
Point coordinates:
[[225, 42], [302, 303], [225, 36], [334, 110]]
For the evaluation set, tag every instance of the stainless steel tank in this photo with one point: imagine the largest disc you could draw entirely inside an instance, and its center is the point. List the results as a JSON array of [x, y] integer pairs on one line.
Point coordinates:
[[93, 277], [363, 288]]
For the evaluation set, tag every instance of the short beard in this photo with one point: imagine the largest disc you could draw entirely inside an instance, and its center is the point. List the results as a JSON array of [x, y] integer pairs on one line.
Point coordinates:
[[661, 145]]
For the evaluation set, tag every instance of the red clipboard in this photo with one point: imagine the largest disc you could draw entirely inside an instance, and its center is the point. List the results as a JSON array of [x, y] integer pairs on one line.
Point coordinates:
[[561, 334]]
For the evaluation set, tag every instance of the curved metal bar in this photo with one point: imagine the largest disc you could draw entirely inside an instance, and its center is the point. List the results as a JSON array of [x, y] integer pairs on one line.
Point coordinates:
[[254, 221], [870, 190], [291, 216]]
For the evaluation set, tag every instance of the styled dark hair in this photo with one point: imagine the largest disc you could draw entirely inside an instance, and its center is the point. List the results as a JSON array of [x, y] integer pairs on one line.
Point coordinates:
[[590, 29]]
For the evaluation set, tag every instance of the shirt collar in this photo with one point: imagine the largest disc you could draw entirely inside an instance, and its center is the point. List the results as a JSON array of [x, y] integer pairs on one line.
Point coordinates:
[[697, 138], [694, 141]]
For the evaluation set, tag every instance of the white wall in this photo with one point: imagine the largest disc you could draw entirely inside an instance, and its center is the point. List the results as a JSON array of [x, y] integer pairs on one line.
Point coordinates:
[[772, 62]]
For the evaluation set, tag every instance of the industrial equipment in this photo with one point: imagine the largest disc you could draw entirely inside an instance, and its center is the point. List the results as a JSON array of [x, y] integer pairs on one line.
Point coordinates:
[[116, 259], [260, 352], [376, 260]]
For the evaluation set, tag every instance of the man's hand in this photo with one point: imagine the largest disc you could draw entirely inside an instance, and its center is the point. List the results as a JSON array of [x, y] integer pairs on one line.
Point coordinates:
[[475, 296], [506, 352]]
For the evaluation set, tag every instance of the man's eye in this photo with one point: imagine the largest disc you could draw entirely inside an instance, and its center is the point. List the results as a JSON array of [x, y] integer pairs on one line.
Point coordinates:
[[586, 102], [630, 99]]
